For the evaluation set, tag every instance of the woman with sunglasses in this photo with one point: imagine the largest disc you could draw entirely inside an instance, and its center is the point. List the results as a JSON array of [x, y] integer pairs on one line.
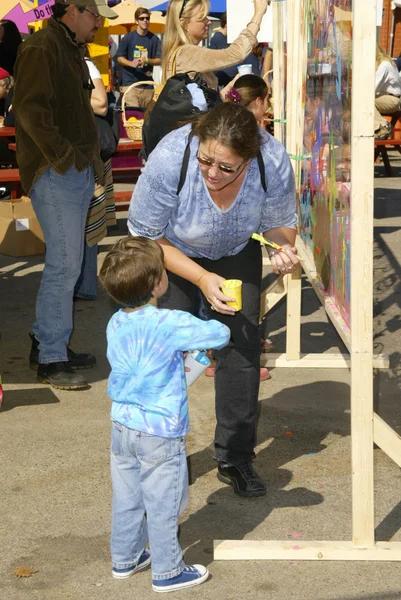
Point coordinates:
[[187, 25], [238, 180]]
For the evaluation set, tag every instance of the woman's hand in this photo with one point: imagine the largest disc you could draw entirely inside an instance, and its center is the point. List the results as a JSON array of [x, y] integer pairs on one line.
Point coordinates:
[[261, 7], [209, 284], [284, 262], [227, 88]]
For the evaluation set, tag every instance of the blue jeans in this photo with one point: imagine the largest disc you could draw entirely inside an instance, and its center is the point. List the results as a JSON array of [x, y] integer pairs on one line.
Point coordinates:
[[61, 204], [150, 490], [86, 285]]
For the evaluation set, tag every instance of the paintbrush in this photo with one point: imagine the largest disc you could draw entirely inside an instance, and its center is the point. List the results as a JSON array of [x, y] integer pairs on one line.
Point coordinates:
[[260, 238]]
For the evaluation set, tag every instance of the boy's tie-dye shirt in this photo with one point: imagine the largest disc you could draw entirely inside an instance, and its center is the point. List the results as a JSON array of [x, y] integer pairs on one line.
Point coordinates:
[[147, 381]]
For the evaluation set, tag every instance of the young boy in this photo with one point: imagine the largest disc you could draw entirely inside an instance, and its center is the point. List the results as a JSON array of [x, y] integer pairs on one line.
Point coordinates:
[[149, 414]]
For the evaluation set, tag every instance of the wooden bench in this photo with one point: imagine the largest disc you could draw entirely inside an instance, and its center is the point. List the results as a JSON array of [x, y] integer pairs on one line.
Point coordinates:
[[394, 142]]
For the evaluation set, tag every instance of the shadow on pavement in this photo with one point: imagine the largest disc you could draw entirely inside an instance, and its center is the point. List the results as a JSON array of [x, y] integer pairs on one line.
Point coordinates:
[[27, 397]]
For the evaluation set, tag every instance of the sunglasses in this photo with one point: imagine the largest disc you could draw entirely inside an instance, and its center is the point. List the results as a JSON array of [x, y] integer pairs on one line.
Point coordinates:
[[205, 162], [144, 19], [96, 15], [182, 8]]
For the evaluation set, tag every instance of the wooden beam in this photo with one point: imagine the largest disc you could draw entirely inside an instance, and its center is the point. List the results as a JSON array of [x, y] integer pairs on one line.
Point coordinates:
[[279, 63], [272, 295], [361, 279], [293, 334], [387, 439], [325, 360], [296, 550]]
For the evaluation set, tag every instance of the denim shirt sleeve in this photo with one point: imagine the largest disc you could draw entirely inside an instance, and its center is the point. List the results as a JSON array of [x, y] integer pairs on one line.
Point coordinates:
[[279, 207], [155, 199]]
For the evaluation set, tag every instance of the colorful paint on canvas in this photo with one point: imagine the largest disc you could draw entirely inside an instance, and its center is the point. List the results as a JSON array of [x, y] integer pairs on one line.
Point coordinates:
[[324, 199]]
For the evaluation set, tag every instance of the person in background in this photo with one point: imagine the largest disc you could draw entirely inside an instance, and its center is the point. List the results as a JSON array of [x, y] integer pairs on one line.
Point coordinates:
[[58, 154], [187, 25], [102, 210], [10, 40], [388, 92], [149, 413], [6, 95], [250, 91], [219, 42], [239, 180], [7, 156], [139, 51]]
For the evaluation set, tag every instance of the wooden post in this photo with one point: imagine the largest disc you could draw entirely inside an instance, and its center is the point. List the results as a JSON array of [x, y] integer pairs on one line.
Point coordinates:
[[293, 333], [279, 62], [296, 62], [362, 173]]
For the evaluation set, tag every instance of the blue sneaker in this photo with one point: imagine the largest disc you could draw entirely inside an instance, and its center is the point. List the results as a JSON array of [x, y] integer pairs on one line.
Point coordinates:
[[142, 563], [193, 575]]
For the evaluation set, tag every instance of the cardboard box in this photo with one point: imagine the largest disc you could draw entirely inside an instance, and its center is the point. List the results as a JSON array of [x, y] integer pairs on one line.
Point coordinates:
[[20, 232]]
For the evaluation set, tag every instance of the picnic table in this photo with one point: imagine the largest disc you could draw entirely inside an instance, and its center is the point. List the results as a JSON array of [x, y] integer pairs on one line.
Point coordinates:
[[126, 166], [8, 132]]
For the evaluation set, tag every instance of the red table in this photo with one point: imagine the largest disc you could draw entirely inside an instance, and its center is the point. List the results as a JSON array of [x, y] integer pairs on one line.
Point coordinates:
[[7, 132]]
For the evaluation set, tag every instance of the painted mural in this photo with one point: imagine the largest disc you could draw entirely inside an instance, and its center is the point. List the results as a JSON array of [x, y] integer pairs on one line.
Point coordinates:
[[23, 12], [324, 199]]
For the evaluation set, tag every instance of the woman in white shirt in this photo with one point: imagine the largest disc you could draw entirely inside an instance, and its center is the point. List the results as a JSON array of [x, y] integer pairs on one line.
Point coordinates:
[[388, 92]]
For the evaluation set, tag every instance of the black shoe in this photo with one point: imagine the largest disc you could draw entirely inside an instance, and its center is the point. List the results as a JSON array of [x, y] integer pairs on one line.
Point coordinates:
[[61, 376], [243, 478], [76, 360]]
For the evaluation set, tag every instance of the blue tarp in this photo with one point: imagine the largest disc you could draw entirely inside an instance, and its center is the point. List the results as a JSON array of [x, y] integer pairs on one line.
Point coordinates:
[[216, 6]]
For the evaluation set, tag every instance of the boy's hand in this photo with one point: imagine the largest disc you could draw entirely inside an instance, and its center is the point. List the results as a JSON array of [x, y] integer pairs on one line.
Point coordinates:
[[186, 369]]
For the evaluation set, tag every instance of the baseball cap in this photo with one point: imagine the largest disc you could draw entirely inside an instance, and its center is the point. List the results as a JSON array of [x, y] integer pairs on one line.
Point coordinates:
[[4, 73], [100, 5]]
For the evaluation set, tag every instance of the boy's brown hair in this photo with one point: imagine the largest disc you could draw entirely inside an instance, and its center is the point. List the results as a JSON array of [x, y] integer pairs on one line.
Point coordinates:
[[131, 270]]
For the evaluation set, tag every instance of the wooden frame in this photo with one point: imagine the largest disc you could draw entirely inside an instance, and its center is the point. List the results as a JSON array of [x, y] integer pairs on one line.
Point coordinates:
[[366, 426]]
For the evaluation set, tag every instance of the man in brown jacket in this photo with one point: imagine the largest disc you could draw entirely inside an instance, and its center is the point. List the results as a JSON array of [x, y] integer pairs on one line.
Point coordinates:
[[58, 155]]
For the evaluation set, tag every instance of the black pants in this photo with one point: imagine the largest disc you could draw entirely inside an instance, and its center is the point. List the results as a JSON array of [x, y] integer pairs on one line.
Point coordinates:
[[237, 365]]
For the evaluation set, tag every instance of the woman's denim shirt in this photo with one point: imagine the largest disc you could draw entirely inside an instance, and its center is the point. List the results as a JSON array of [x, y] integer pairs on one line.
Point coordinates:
[[191, 221]]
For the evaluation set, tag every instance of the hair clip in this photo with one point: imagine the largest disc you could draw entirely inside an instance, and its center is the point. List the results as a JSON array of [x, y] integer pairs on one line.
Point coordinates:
[[234, 95]]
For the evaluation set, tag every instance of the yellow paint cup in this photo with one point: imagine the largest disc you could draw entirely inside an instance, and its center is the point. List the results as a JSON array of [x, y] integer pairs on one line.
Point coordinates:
[[233, 288]]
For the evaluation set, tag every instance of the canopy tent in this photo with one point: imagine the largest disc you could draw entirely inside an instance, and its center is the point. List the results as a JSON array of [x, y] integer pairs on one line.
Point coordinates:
[[216, 6]]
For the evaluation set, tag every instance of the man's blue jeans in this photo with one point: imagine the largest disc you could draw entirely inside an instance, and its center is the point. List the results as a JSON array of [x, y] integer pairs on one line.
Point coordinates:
[[150, 490], [61, 204]]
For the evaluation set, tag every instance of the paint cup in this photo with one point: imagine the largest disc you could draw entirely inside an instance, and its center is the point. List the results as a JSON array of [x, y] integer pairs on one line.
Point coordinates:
[[197, 361], [245, 69], [233, 288]]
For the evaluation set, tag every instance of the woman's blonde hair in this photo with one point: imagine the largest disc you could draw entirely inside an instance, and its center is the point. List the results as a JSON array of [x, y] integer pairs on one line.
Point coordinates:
[[382, 55], [175, 34]]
